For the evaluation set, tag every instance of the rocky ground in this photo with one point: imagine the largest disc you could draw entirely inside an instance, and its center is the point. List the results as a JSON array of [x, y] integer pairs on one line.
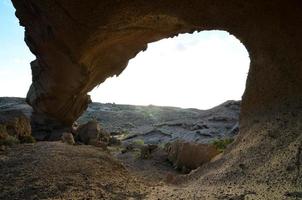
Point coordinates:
[[265, 169], [154, 124], [53, 170]]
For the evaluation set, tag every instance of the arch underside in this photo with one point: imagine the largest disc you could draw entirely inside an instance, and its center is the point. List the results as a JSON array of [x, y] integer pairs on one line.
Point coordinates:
[[78, 44]]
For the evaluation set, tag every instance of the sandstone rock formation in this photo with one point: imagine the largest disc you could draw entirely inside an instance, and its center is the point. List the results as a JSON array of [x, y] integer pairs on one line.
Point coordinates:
[[68, 138], [91, 133], [187, 156], [78, 44]]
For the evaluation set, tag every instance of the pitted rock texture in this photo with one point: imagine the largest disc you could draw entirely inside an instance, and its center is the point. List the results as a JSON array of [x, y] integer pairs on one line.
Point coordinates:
[[91, 133], [79, 44], [187, 156]]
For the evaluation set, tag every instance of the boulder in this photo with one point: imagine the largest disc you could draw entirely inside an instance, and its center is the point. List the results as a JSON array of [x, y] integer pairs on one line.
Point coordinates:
[[188, 156], [68, 138], [17, 124], [91, 133]]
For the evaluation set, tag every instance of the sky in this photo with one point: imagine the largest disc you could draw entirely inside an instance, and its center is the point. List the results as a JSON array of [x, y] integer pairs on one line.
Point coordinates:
[[15, 73], [199, 70]]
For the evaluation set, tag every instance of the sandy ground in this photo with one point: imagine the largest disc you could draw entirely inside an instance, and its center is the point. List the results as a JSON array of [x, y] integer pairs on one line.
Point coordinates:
[[268, 167], [53, 170]]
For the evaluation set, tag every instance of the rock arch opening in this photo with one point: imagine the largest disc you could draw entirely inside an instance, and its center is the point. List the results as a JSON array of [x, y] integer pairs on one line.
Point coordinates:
[[198, 70]]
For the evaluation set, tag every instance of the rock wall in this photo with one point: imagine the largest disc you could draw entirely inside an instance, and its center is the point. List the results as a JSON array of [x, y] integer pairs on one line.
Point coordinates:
[[78, 44]]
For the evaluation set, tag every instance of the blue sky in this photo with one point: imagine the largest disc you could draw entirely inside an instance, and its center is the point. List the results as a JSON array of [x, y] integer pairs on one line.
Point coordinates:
[[15, 74], [197, 70]]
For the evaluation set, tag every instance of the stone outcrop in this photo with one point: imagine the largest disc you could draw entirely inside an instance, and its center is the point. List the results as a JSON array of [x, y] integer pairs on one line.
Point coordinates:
[[187, 155], [78, 44], [91, 133], [68, 138]]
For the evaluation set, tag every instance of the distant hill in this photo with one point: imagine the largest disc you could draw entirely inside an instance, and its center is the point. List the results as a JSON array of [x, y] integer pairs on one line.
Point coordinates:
[[154, 124]]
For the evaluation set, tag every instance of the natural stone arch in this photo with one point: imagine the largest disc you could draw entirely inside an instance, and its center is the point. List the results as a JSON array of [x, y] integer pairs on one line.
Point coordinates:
[[79, 44]]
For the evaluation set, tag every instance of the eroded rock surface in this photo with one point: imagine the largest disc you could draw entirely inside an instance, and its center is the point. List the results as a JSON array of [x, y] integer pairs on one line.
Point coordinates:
[[187, 156], [68, 138], [91, 133], [78, 44]]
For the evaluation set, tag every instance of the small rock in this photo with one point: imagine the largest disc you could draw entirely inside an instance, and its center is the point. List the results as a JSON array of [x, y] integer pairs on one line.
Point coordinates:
[[68, 138], [74, 128]]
